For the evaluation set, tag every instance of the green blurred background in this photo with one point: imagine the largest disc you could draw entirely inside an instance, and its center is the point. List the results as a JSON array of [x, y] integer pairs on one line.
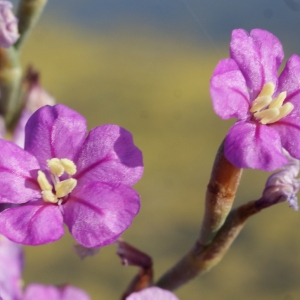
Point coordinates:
[[155, 83]]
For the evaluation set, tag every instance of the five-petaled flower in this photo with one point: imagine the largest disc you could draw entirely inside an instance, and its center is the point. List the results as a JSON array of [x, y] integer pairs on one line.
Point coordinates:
[[65, 176], [247, 86]]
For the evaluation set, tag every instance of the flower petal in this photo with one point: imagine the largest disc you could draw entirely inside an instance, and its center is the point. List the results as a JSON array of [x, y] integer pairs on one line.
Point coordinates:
[[32, 224], [289, 131], [289, 79], [55, 131], [258, 56], [18, 170], [109, 155], [19, 132], [251, 145], [228, 91], [69, 292], [289, 127], [98, 213], [50, 292], [151, 293], [40, 291], [11, 258]]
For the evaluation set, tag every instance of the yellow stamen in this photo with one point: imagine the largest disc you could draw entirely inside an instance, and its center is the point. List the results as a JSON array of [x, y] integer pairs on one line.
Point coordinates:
[[278, 101], [55, 166], [267, 90], [267, 115], [268, 110], [283, 112], [69, 166], [43, 182], [65, 187], [62, 188], [48, 196], [264, 98], [260, 103]]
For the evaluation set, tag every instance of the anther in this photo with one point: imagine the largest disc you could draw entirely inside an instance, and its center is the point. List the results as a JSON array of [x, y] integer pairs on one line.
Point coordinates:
[[283, 112], [269, 110], [69, 166], [267, 90], [55, 166], [65, 187], [48, 196], [267, 115], [260, 103], [43, 181], [264, 98], [278, 101]]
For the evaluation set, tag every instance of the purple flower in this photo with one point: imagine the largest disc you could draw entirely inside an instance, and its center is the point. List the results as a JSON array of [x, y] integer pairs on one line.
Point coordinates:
[[246, 86], [8, 25], [152, 293], [11, 265], [65, 176], [48, 292]]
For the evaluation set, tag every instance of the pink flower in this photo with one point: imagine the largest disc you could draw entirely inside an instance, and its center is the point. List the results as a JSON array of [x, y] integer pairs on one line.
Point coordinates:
[[48, 292], [152, 293], [247, 86], [11, 265], [65, 176]]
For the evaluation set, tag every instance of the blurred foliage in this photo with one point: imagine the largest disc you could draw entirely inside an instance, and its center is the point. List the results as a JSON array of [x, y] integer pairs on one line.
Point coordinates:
[[158, 88]]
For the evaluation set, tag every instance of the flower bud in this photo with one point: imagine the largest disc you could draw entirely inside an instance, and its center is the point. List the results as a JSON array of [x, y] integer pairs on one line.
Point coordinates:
[[8, 25], [283, 184]]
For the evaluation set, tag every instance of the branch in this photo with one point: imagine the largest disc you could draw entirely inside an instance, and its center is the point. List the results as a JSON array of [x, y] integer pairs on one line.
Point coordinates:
[[220, 195], [200, 258]]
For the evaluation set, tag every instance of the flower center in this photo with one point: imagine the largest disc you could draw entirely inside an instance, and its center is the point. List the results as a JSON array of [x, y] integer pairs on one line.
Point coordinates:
[[62, 188], [268, 110]]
